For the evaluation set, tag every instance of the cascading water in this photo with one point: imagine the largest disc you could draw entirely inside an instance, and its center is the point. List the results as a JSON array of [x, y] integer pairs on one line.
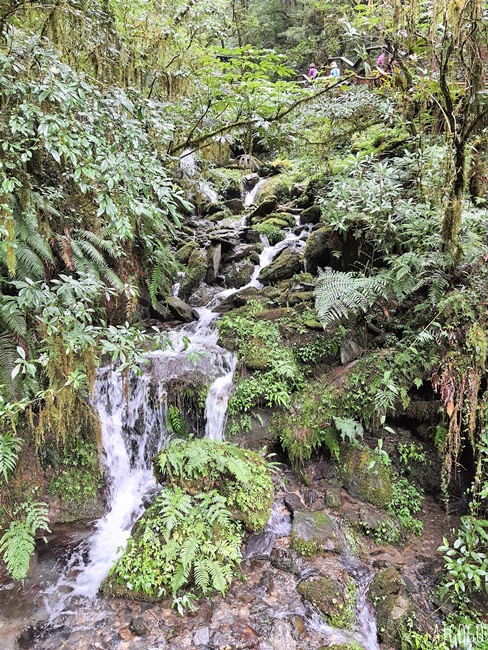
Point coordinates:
[[133, 421]]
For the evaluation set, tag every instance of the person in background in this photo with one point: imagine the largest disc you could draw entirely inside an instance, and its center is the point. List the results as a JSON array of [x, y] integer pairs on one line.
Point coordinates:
[[334, 70], [384, 62], [312, 73]]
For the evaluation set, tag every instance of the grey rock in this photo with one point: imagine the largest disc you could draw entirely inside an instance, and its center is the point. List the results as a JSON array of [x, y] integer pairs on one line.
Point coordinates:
[[283, 267], [201, 636], [180, 309], [259, 546], [214, 255]]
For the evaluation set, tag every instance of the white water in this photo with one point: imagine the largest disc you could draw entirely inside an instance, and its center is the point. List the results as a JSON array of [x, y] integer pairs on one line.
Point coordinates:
[[133, 421], [250, 196]]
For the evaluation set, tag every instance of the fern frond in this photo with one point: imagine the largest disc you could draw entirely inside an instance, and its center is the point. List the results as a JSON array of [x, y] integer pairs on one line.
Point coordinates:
[[10, 446], [217, 576], [189, 550], [337, 294], [349, 430], [238, 469], [17, 547], [200, 571], [28, 263], [12, 318]]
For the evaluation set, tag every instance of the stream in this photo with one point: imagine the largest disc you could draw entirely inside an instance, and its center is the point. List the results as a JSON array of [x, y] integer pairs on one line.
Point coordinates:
[[59, 606]]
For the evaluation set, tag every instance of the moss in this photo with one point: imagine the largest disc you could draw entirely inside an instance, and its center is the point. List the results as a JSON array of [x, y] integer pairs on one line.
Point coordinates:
[[342, 646], [313, 533], [274, 221], [365, 477], [335, 601], [183, 253], [386, 583]]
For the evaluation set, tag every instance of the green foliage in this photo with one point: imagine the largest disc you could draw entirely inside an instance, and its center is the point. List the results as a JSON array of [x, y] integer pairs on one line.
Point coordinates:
[[273, 233], [188, 542], [17, 542], [10, 445], [261, 347], [78, 478], [405, 503], [176, 422], [183, 543], [241, 475], [338, 294]]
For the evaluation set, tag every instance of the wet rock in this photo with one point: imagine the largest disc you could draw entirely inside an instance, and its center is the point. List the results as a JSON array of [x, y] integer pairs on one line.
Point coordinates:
[[138, 627], [239, 253], [364, 476], [260, 546], [320, 248], [314, 532], [201, 636], [218, 216], [310, 496], [203, 295], [335, 599], [214, 255], [310, 215], [236, 206], [180, 309], [273, 221], [239, 636], [293, 502], [284, 266], [286, 559], [239, 274], [281, 637]]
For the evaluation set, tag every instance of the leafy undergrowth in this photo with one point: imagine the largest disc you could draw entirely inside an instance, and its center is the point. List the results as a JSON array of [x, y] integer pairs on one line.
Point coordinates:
[[188, 542]]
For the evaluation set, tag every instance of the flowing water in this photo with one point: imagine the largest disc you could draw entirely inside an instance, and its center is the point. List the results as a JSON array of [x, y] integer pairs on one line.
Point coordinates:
[[134, 427]]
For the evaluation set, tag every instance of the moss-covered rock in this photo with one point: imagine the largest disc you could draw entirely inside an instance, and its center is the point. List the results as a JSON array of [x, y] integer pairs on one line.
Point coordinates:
[[314, 532], [284, 266], [275, 221], [242, 476], [196, 272], [239, 274], [364, 476], [393, 606], [183, 253], [342, 646], [310, 215], [320, 248], [333, 598]]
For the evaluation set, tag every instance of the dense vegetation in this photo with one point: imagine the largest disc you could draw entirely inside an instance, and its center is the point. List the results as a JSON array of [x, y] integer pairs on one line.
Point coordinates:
[[99, 101]]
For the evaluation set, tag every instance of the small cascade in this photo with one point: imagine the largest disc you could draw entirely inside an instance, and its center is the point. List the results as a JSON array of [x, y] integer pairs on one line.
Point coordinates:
[[250, 196]]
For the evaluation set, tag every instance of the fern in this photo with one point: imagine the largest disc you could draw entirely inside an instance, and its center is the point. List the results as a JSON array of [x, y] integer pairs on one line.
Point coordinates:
[[10, 446], [337, 294], [349, 430], [18, 542], [176, 422]]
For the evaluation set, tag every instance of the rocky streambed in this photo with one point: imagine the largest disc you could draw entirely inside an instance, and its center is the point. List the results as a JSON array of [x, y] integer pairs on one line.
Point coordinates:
[[346, 594]]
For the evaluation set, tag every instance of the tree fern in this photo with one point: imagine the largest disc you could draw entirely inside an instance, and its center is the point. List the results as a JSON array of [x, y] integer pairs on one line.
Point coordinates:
[[337, 294]]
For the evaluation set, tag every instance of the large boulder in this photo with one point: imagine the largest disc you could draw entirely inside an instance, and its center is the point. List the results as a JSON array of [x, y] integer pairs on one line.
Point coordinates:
[[266, 207], [284, 266], [364, 476], [214, 255], [320, 248], [310, 215], [314, 532], [180, 310], [239, 274], [197, 270]]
